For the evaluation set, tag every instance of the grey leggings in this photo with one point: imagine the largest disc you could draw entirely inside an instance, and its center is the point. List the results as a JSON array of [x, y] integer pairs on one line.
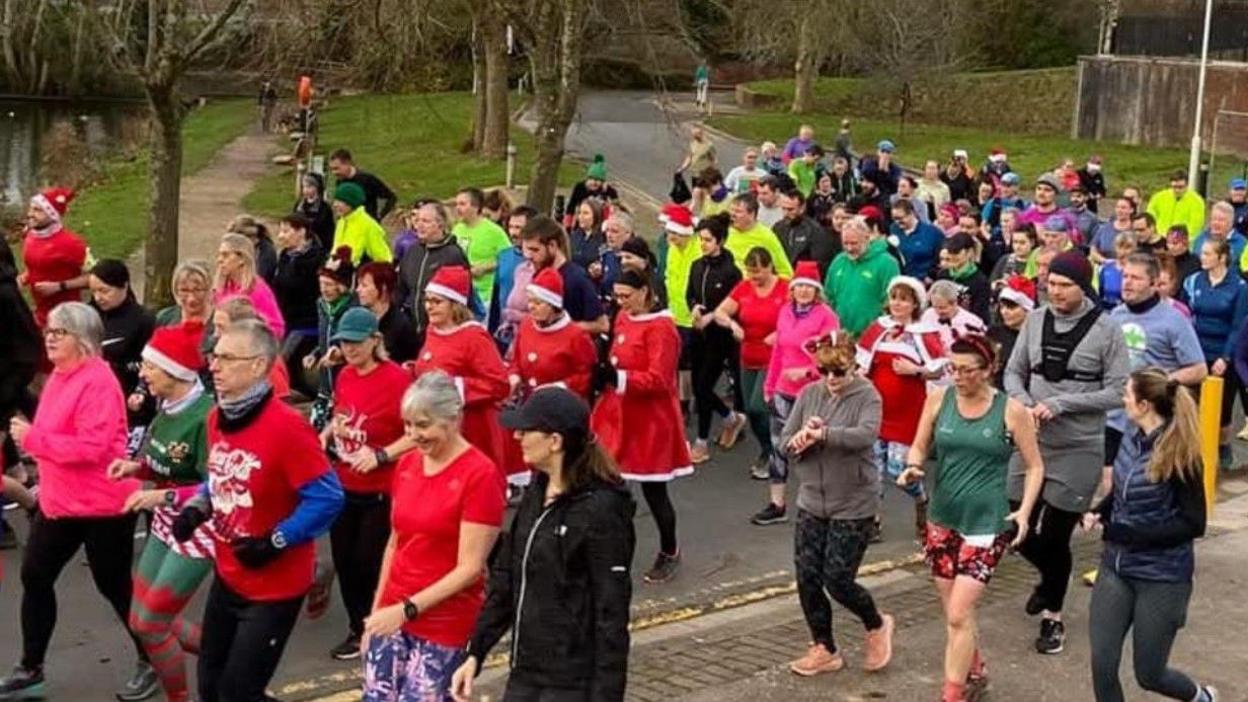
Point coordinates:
[[1154, 612]]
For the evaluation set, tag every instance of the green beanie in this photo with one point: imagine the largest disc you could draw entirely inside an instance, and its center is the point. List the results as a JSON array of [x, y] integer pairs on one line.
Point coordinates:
[[598, 169], [349, 194]]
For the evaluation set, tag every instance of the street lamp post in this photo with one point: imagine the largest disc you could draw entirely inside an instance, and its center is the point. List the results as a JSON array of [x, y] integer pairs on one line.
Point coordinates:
[[1193, 162]]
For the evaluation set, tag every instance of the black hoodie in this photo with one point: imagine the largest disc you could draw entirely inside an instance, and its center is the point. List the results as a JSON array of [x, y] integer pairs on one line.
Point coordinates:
[[559, 579], [127, 329], [319, 213]]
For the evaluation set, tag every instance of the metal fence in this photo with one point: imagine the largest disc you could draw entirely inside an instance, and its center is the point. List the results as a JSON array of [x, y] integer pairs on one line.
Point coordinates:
[[1179, 34]]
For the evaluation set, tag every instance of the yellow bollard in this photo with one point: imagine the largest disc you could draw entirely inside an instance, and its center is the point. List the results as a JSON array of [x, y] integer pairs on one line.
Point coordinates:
[[1210, 434]]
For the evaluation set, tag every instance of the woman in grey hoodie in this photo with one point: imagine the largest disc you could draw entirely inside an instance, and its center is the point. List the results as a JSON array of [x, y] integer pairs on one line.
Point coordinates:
[[829, 437]]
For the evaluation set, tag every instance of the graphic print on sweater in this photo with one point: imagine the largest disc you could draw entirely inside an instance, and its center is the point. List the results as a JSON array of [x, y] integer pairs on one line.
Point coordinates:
[[229, 471]]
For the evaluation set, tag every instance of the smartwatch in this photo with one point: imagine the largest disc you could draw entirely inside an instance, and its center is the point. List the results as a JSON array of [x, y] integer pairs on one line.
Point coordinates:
[[278, 540], [171, 497], [382, 456], [410, 610]]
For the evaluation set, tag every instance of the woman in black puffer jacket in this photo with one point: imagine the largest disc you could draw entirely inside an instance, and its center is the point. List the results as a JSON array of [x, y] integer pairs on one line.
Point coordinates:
[[559, 578]]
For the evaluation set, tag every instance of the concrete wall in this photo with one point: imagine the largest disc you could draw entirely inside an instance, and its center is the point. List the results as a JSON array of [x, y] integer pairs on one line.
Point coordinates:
[[1151, 101]]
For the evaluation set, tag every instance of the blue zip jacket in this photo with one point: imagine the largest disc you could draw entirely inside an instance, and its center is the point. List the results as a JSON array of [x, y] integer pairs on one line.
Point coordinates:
[[1236, 240], [1218, 311], [1149, 527], [920, 249]]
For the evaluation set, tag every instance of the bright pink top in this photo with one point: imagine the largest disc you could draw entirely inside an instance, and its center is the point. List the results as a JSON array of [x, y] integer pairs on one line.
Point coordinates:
[[262, 298], [791, 333], [79, 429]]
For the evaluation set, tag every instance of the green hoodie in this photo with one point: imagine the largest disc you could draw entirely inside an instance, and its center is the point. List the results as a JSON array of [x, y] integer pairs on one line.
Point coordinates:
[[858, 290]]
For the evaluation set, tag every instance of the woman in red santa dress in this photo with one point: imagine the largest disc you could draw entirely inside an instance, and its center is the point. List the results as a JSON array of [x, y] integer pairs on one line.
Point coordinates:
[[462, 348], [899, 354], [54, 256], [637, 417]]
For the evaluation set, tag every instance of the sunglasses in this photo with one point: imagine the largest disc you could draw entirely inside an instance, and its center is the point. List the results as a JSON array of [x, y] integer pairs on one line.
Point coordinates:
[[835, 371]]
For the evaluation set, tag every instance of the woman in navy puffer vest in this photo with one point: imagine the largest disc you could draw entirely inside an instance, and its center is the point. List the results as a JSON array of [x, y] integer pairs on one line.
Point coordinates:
[[1152, 514]]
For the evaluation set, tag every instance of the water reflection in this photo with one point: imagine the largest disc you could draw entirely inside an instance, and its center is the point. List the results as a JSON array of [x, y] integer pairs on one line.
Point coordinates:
[[22, 126]]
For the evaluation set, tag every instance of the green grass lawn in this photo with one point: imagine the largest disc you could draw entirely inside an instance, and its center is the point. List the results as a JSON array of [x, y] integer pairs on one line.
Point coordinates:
[[1029, 154], [112, 212], [411, 141]]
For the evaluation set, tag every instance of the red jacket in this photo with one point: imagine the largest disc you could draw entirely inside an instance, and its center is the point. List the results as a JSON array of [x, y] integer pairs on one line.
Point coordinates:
[[639, 422]]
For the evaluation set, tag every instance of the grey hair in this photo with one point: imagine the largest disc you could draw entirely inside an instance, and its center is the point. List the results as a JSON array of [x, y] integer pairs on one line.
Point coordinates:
[[1125, 239], [434, 394], [82, 322], [260, 339], [1225, 208], [189, 268], [624, 220], [946, 290], [859, 223]]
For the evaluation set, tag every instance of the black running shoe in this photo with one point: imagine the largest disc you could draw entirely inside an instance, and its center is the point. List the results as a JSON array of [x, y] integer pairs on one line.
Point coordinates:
[[1052, 638], [664, 568], [771, 514], [348, 650]]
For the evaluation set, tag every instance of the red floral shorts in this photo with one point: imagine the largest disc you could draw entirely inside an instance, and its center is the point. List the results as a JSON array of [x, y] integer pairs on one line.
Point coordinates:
[[948, 554]]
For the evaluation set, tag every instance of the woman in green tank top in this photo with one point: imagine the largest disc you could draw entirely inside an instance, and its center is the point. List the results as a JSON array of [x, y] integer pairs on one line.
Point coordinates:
[[971, 430]]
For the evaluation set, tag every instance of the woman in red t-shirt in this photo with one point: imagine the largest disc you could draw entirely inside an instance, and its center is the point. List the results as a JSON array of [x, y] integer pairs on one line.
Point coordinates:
[[447, 511], [751, 312], [365, 437], [899, 354]]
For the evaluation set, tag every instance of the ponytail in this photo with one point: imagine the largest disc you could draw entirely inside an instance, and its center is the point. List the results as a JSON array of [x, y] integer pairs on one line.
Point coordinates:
[[1177, 451], [586, 461]]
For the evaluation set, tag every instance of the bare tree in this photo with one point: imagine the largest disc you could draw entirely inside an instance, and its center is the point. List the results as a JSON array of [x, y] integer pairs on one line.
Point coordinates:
[[766, 28], [158, 54], [553, 32], [491, 116]]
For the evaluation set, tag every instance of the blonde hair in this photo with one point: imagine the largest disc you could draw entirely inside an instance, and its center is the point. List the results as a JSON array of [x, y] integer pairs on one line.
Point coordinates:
[[1177, 451], [241, 245]]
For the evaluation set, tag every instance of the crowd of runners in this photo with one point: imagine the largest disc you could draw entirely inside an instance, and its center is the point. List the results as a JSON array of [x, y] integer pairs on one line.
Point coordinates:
[[1017, 365]]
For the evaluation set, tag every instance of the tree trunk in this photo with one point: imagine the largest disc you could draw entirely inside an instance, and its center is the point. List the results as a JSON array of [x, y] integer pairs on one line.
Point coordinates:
[[497, 109], [807, 66], [164, 189], [556, 61], [480, 108]]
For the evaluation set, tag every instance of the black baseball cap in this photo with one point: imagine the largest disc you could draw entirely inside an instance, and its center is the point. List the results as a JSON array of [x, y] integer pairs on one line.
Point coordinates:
[[551, 409]]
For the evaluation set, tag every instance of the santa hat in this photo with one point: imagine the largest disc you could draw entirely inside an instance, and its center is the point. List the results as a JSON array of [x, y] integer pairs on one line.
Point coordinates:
[[806, 273], [547, 286], [339, 267], [677, 219], [1019, 290], [53, 202], [175, 350], [915, 285], [452, 283], [996, 155]]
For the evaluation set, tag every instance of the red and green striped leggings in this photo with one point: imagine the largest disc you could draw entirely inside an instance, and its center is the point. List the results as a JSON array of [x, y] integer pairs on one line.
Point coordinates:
[[164, 582]]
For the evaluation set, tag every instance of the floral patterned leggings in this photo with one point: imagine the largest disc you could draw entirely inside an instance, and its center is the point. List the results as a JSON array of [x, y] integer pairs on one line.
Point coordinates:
[[406, 668]]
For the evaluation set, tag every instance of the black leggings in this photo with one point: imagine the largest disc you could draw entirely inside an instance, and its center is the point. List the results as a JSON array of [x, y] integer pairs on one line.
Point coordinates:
[[242, 644], [1154, 612], [713, 354], [827, 553], [109, 543], [520, 691], [1047, 547], [15, 396], [357, 541], [664, 514]]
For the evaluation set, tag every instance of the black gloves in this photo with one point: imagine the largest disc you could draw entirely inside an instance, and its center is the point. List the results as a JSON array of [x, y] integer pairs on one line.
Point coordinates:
[[255, 551], [187, 521], [605, 376]]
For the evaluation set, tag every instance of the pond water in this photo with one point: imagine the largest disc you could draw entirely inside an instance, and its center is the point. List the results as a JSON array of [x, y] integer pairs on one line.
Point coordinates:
[[23, 124]]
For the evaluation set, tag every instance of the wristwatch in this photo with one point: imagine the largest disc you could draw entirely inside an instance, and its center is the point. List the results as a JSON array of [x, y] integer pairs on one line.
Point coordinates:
[[278, 540], [381, 456], [410, 610], [171, 497]]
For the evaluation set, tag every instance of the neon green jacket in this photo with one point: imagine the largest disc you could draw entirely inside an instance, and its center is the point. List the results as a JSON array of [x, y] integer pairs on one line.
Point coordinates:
[[858, 289], [364, 235], [739, 242], [1168, 211], [676, 278]]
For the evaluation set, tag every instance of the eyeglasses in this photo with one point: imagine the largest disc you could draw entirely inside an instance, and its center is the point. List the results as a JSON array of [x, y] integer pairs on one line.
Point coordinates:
[[227, 358], [55, 333]]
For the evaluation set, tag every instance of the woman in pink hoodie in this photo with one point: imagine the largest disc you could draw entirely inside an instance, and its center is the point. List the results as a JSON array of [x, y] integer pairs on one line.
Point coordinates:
[[805, 317], [79, 428], [236, 277]]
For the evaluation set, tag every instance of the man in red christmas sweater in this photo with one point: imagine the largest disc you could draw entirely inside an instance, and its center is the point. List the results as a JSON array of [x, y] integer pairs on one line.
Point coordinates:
[[268, 499], [54, 256]]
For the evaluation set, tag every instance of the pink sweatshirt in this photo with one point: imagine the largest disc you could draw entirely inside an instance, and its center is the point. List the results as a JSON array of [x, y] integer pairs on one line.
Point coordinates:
[[261, 296], [79, 429], [787, 354]]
